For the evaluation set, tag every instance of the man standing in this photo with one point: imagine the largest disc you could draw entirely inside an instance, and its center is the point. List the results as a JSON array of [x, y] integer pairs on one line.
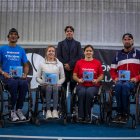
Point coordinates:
[[68, 52], [125, 72], [13, 56]]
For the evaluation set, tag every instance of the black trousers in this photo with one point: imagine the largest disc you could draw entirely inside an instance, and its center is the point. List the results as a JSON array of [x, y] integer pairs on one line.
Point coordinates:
[[85, 100], [68, 75]]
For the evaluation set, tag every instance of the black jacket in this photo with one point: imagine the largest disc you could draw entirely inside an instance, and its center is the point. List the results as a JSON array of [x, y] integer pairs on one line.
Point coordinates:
[[66, 56]]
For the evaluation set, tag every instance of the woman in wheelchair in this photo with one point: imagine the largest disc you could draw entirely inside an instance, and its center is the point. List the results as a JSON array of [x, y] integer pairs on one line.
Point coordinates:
[[12, 56], [125, 73], [50, 76], [87, 73]]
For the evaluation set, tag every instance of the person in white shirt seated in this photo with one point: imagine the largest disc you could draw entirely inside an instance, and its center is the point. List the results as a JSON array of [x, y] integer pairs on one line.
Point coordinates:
[[51, 75]]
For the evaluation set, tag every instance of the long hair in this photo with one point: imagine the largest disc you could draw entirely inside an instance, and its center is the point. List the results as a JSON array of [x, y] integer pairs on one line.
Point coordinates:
[[46, 50]]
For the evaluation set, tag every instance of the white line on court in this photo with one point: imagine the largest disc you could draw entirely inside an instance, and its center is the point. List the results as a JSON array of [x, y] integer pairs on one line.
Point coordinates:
[[70, 138]]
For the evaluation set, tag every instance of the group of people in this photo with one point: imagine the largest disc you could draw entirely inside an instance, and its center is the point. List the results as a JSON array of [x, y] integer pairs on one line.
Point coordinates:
[[69, 64]]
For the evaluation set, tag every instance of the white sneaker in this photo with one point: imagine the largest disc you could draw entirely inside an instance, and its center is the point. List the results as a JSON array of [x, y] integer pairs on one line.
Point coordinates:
[[14, 116], [48, 114], [55, 114], [20, 115]]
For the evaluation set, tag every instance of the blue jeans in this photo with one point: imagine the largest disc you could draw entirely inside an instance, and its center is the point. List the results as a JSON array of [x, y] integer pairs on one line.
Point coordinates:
[[85, 100], [122, 93], [18, 89]]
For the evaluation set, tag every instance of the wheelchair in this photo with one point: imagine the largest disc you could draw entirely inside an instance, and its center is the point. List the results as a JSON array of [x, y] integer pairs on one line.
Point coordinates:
[[111, 112], [137, 99], [97, 110], [41, 106], [5, 106]]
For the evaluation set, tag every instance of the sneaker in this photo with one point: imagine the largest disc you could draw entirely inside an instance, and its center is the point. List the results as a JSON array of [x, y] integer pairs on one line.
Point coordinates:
[[48, 114], [55, 114], [20, 115], [14, 116]]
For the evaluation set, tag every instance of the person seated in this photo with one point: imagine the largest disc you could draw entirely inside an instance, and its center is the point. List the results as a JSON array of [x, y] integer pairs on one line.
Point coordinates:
[[51, 75], [13, 56], [87, 73], [125, 73]]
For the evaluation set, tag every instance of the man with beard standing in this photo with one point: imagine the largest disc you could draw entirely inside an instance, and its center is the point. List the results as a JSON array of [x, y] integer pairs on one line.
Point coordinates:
[[125, 73]]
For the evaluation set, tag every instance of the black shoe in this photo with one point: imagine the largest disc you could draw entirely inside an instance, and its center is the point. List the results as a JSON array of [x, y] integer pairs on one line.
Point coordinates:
[[87, 119], [117, 118], [81, 119], [124, 118]]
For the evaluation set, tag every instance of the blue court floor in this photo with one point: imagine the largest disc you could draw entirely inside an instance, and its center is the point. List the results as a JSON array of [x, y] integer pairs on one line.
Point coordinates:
[[56, 130]]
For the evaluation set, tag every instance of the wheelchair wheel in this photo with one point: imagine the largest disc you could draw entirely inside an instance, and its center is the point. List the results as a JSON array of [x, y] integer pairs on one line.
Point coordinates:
[[65, 121], [103, 103], [69, 118], [102, 114], [36, 121], [1, 99], [1, 107], [2, 123], [133, 122], [74, 118], [108, 119], [33, 120], [97, 122]]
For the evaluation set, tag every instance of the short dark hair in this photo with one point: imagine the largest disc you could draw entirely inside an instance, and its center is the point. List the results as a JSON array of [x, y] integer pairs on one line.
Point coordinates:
[[88, 46], [11, 31], [127, 34], [69, 27]]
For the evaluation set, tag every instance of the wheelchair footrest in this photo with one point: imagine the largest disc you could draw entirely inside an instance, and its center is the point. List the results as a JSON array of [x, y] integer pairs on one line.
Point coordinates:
[[119, 122], [52, 119], [24, 121], [85, 122]]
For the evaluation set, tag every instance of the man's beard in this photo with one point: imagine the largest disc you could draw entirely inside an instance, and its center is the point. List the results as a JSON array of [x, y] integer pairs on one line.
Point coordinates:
[[15, 41], [127, 46]]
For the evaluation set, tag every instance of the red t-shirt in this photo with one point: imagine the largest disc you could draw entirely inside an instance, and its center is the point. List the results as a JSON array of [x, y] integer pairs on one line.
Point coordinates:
[[92, 66]]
